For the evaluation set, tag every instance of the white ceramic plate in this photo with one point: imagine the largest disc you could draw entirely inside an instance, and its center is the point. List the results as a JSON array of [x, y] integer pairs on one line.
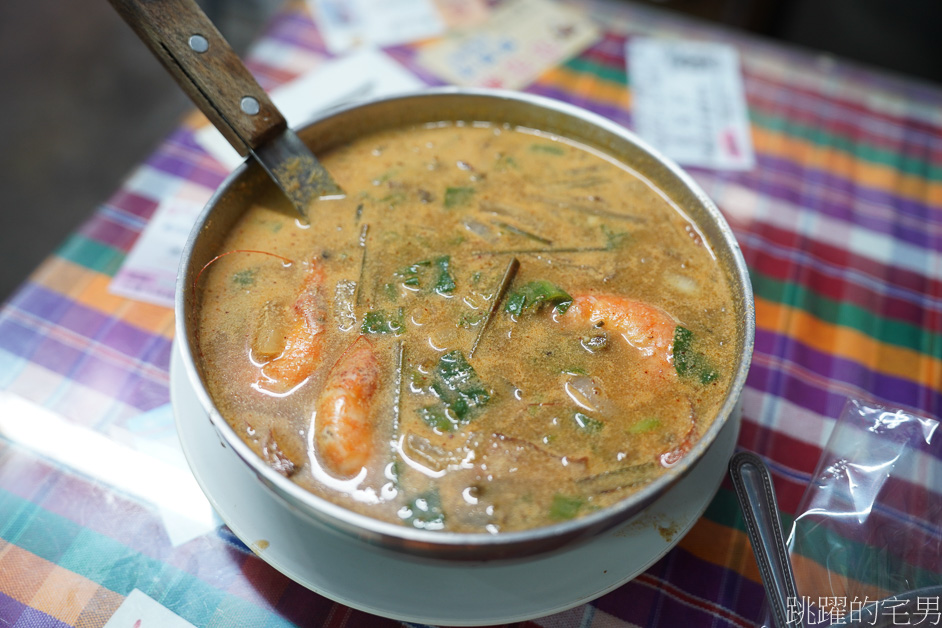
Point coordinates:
[[348, 571]]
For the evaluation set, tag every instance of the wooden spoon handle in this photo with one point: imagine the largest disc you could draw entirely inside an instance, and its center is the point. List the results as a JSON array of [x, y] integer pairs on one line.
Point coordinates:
[[206, 67]]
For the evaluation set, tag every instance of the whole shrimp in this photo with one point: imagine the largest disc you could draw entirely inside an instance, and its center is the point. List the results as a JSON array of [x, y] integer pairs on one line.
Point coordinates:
[[301, 342], [644, 327], [343, 433]]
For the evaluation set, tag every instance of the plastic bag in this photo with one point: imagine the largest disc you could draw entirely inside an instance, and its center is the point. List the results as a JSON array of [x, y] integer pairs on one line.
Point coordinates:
[[869, 526]]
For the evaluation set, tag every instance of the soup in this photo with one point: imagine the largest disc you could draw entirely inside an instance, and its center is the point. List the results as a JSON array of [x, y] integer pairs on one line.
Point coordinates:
[[497, 329]]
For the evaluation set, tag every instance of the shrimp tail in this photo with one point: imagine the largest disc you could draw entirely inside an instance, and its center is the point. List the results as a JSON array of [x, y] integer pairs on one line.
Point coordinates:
[[671, 457]]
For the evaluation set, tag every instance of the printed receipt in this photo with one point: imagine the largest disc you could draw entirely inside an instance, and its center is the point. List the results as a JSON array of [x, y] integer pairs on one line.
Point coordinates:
[[688, 102]]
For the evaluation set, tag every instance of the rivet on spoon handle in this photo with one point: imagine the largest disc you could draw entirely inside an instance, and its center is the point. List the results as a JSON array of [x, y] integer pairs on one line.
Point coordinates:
[[212, 75]]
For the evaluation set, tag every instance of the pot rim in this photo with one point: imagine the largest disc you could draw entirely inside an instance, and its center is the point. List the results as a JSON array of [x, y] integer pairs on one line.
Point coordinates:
[[324, 512]]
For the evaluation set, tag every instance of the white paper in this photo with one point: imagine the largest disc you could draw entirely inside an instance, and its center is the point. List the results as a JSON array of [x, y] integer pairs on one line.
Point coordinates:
[[149, 272], [688, 102], [140, 611], [347, 24], [518, 42], [361, 75], [131, 469], [154, 434]]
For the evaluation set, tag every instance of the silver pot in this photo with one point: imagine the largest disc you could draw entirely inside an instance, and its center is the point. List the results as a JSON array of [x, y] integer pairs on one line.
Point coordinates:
[[341, 125]]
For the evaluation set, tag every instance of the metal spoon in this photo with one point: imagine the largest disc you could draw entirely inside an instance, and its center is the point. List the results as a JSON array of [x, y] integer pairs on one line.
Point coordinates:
[[753, 485], [756, 494], [209, 71]]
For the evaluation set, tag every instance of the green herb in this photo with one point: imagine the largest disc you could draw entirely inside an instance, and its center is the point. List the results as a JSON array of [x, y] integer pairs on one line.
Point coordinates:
[[536, 294], [564, 507], [396, 469], [436, 417], [410, 274], [687, 361], [383, 322], [575, 370], [386, 176], [419, 379], [550, 149], [459, 390], [470, 319], [516, 303], [587, 423], [445, 284], [393, 198], [414, 275], [645, 425], [614, 238], [244, 277], [425, 511], [456, 196], [506, 162]]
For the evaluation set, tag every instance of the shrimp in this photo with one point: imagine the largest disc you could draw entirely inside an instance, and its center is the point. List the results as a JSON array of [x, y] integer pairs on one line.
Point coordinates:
[[343, 435], [645, 327], [648, 329], [302, 339]]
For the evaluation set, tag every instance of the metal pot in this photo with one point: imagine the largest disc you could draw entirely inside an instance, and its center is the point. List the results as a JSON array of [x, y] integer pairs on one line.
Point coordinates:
[[249, 182]]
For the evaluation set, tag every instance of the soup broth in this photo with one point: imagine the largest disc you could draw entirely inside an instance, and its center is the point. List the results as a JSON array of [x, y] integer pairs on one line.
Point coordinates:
[[496, 329]]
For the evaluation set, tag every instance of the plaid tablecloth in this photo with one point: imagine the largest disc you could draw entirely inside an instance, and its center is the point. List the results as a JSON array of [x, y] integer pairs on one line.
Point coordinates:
[[840, 224]]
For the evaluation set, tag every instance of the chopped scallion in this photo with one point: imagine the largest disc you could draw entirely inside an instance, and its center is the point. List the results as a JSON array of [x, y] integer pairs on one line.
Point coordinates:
[[645, 425], [565, 507], [587, 423], [383, 322], [457, 196], [550, 149]]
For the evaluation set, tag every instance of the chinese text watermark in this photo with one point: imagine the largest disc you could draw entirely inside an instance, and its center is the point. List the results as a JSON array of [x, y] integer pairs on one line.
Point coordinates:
[[827, 611]]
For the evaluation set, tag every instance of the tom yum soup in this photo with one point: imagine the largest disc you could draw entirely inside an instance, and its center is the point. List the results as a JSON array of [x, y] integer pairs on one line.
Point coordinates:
[[495, 330]]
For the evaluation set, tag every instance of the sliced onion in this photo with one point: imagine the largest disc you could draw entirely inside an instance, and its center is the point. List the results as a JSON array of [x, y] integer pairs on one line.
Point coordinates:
[[422, 451], [479, 229], [587, 394], [682, 283]]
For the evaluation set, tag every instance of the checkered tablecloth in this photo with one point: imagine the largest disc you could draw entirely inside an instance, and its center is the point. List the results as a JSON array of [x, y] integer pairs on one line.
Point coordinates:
[[840, 223]]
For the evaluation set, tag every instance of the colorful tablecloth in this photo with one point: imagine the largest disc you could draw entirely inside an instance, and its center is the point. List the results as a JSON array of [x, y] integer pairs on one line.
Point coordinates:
[[840, 224]]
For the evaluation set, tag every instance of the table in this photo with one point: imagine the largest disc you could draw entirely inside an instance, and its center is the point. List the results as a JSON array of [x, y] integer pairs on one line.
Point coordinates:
[[840, 224]]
